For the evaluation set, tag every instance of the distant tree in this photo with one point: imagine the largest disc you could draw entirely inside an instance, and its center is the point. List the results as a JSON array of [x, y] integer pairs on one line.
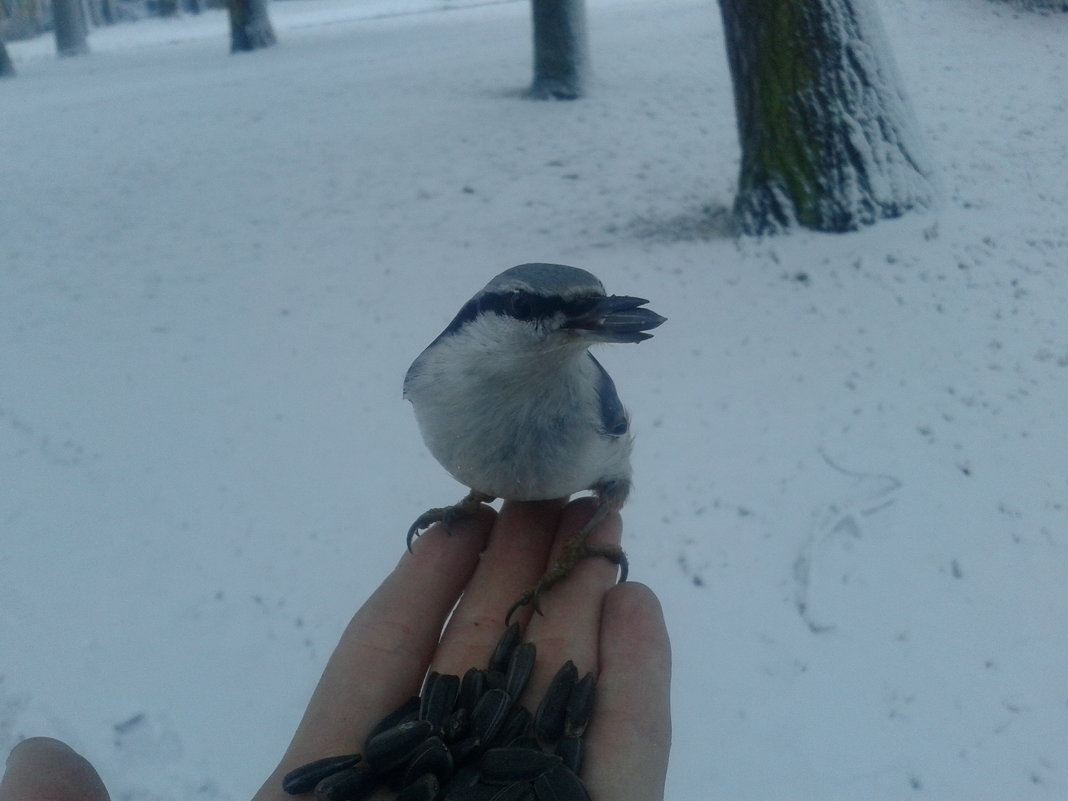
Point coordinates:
[[560, 49], [250, 27], [22, 19], [101, 12], [7, 69], [71, 28], [828, 138], [1041, 5]]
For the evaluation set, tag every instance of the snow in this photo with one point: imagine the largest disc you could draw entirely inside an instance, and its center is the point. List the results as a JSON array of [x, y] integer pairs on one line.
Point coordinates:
[[852, 467]]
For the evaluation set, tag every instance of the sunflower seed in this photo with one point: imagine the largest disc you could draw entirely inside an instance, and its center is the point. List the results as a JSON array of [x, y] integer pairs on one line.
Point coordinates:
[[456, 725], [393, 747], [549, 719], [519, 723], [489, 713], [430, 757], [471, 688], [503, 651], [580, 706], [303, 779], [560, 784], [570, 750], [507, 765], [409, 710], [438, 698], [351, 784], [424, 788], [520, 666]]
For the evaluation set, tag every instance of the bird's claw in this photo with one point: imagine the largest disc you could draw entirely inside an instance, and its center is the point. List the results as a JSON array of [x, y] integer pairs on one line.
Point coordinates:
[[447, 515], [531, 596], [425, 521], [575, 549]]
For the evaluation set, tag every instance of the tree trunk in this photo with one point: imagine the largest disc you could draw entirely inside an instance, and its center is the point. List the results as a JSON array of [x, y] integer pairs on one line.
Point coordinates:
[[93, 11], [107, 10], [7, 69], [71, 28], [560, 52], [1042, 5], [250, 27], [828, 138]]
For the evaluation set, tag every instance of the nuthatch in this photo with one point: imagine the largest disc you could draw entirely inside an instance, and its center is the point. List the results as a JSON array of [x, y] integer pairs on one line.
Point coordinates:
[[511, 402]]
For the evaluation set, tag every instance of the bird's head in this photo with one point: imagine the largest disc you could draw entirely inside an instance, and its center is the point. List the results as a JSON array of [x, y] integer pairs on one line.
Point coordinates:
[[543, 308]]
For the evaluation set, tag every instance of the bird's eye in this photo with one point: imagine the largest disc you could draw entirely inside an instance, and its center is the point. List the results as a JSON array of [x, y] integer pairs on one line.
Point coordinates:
[[521, 306]]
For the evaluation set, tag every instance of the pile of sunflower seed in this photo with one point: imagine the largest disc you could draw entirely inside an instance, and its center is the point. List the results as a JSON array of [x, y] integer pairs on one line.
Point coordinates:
[[468, 739]]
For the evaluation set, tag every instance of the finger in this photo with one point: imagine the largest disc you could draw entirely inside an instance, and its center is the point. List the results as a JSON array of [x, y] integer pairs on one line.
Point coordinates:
[[629, 737], [386, 648], [571, 623], [44, 769], [515, 558]]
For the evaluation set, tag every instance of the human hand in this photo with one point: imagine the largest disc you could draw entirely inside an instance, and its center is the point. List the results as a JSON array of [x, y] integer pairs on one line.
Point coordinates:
[[617, 632], [43, 769]]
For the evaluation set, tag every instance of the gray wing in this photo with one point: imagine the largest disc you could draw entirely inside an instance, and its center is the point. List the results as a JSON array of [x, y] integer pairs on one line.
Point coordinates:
[[614, 421]]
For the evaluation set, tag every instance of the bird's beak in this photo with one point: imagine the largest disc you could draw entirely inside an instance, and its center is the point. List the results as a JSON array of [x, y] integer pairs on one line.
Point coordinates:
[[615, 319]]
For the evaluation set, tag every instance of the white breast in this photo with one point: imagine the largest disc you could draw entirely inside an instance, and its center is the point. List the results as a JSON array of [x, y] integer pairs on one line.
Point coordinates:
[[528, 432]]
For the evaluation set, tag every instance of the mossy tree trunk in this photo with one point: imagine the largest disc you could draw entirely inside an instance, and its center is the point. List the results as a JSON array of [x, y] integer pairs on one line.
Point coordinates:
[[72, 30], [560, 49], [828, 139], [250, 27], [7, 69]]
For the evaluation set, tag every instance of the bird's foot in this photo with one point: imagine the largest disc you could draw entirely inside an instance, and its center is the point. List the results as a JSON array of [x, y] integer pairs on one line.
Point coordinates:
[[575, 548], [447, 515]]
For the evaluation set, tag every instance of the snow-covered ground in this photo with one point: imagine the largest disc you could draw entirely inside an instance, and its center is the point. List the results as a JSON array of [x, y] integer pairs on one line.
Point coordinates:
[[852, 457]]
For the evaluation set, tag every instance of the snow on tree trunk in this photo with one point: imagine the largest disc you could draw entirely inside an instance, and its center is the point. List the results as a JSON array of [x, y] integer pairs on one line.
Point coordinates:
[[828, 137], [7, 69], [560, 50], [250, 27], [71, 28]]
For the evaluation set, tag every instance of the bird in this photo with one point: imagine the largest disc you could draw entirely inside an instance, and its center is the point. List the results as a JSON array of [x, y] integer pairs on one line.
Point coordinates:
[[513, 405]]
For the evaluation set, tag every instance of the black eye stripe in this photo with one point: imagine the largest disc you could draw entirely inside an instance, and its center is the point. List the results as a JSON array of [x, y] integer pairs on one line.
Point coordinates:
[[526, 305], [523, 305]]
